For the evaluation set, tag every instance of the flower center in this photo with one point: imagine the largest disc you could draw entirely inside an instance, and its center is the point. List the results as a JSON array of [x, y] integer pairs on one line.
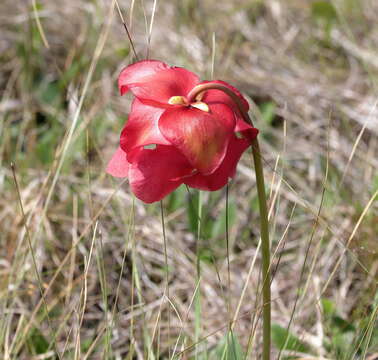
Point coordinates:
[[201, 106], [181, 100], [177, 100]]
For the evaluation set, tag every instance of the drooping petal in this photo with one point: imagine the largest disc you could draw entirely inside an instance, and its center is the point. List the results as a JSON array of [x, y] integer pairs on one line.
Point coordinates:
[[118, 166], [141, 128], [154, 82], [218, 96], [156, 173], [248, 131], [226, 170], [201, 136]]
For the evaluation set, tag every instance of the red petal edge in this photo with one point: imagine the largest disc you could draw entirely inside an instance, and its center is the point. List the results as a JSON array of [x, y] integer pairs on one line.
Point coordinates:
[[154, 82], [118, 165], [246, 130], [156, 173]]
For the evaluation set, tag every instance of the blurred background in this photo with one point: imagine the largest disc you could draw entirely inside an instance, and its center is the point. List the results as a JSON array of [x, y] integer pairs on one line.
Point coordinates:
[[76, 235]]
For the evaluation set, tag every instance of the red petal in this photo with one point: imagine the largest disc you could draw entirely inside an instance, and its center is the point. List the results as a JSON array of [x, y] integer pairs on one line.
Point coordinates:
[[118, 165], [201, 136], [141, 128], [156, 173], [248, 131], [226, 170], [154, 82], [218, 96]]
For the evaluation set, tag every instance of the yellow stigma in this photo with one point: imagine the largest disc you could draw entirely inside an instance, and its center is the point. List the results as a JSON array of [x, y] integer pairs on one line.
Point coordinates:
[[177, 100], [201, 106]]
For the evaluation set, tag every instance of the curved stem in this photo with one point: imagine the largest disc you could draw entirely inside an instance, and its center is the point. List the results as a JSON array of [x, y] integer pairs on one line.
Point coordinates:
[[264, 224], [197, 90]]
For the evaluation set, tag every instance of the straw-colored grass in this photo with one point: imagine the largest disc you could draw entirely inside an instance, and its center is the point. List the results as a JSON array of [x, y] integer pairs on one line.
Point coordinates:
[[83, 270]]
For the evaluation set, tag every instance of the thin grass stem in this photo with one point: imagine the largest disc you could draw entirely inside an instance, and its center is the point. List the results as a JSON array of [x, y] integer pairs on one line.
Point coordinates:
[[166, 275], [197, 301]]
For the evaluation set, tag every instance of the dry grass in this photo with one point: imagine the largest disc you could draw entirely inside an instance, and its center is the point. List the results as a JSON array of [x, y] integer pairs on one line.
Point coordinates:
[[99, 254]]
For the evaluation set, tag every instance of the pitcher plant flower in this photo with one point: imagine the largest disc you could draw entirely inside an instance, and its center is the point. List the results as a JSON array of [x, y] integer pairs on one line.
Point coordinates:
[[184, 131], [177, 135]]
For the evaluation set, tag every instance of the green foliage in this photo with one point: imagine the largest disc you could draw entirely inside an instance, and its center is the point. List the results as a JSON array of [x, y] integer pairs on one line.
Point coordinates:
[[328, 307], [47, 93], [123, 51], [345, 338], [45, 146], [176, 199], [255, 10], [268, 111], [212, 227], [206, 255], [37, 343], [218, 225], [325, 14], [324, 11], [85, 344], [374, 185], [285, 340], [228, 348], [192, 211], [341, 332]]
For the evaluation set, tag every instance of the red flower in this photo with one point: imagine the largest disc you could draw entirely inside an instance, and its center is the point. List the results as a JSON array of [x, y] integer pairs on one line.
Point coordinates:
[[195, 139]]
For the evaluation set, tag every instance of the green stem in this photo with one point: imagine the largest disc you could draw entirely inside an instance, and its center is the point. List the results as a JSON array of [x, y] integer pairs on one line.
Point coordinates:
[[265, 248], [197, 305], [264, 224]]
